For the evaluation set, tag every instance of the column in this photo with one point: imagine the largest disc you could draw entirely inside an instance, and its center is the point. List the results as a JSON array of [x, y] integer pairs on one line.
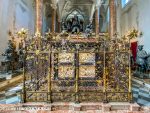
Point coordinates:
[[59, 26], [54, 7], [112, 21], [118, 16], [97, 20], [39, 4]]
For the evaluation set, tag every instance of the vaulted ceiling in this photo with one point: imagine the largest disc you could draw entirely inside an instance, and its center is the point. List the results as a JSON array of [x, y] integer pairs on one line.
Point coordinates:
[[85, 7]]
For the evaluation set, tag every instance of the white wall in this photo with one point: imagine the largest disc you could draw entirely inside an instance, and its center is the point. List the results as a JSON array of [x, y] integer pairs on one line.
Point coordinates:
[[14, 15], [3, 25], [136, 14]]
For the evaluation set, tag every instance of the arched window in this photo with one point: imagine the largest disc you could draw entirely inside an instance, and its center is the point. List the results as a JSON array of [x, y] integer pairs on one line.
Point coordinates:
[[124, 2]]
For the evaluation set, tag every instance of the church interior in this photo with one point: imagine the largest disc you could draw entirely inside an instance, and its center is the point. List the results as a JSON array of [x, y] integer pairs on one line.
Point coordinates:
[[75, 55]]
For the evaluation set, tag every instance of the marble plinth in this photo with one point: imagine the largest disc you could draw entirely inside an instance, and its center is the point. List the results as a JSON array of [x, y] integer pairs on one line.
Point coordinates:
[[115, 107]]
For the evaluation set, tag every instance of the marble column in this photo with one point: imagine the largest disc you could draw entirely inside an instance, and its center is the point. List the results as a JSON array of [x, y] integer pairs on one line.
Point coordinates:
[[53, 18], [112, 21], [59, 26], [39, 4], [118, 16], [97, 20]]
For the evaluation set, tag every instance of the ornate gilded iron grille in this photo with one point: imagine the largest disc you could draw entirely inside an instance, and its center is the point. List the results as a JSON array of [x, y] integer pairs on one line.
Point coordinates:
[[77, 70], [36, 72], [117, 71]]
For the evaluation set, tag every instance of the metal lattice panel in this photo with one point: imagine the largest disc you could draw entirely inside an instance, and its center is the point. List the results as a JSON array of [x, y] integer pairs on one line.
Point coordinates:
[[77, 71]]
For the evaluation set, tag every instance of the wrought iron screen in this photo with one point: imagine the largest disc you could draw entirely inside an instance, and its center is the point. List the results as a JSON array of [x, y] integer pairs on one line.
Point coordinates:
[[77, 71]]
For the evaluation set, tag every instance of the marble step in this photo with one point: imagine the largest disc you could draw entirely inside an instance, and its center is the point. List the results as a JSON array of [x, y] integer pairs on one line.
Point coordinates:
[[12, 95], [135, 90], [135, 96], [144, 90], [142, 102], [13, 100], [144, 96], [141, 92]]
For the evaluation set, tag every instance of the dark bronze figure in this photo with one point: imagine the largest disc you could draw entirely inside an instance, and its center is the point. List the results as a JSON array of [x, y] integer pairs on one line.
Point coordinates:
[[10, 57], [88, 30], [142, 59]]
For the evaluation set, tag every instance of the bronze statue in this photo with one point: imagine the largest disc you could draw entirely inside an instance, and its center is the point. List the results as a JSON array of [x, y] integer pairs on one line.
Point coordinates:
[[10, 56], [75, 25], [64, 27], [142, 58], [88, 30], [21, 54]]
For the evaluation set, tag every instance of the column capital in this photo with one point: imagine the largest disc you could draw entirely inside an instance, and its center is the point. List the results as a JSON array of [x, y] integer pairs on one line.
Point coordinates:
[[59, 20], [97, 6], [98, 3], [54, 6]]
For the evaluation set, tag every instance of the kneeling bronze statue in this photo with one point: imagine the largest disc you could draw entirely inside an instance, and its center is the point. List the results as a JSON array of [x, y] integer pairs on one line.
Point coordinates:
[[142, 59], [88, 30]]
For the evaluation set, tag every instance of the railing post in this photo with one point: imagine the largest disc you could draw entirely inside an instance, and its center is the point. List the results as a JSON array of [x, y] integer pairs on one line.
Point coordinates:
[[104, 74], [24, 91], [49, 78], [24, 79], [77, 75], [130, 84]]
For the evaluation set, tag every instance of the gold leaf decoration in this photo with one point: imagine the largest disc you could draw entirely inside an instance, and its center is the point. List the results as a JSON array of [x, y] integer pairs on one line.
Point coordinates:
[[37, 52]]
